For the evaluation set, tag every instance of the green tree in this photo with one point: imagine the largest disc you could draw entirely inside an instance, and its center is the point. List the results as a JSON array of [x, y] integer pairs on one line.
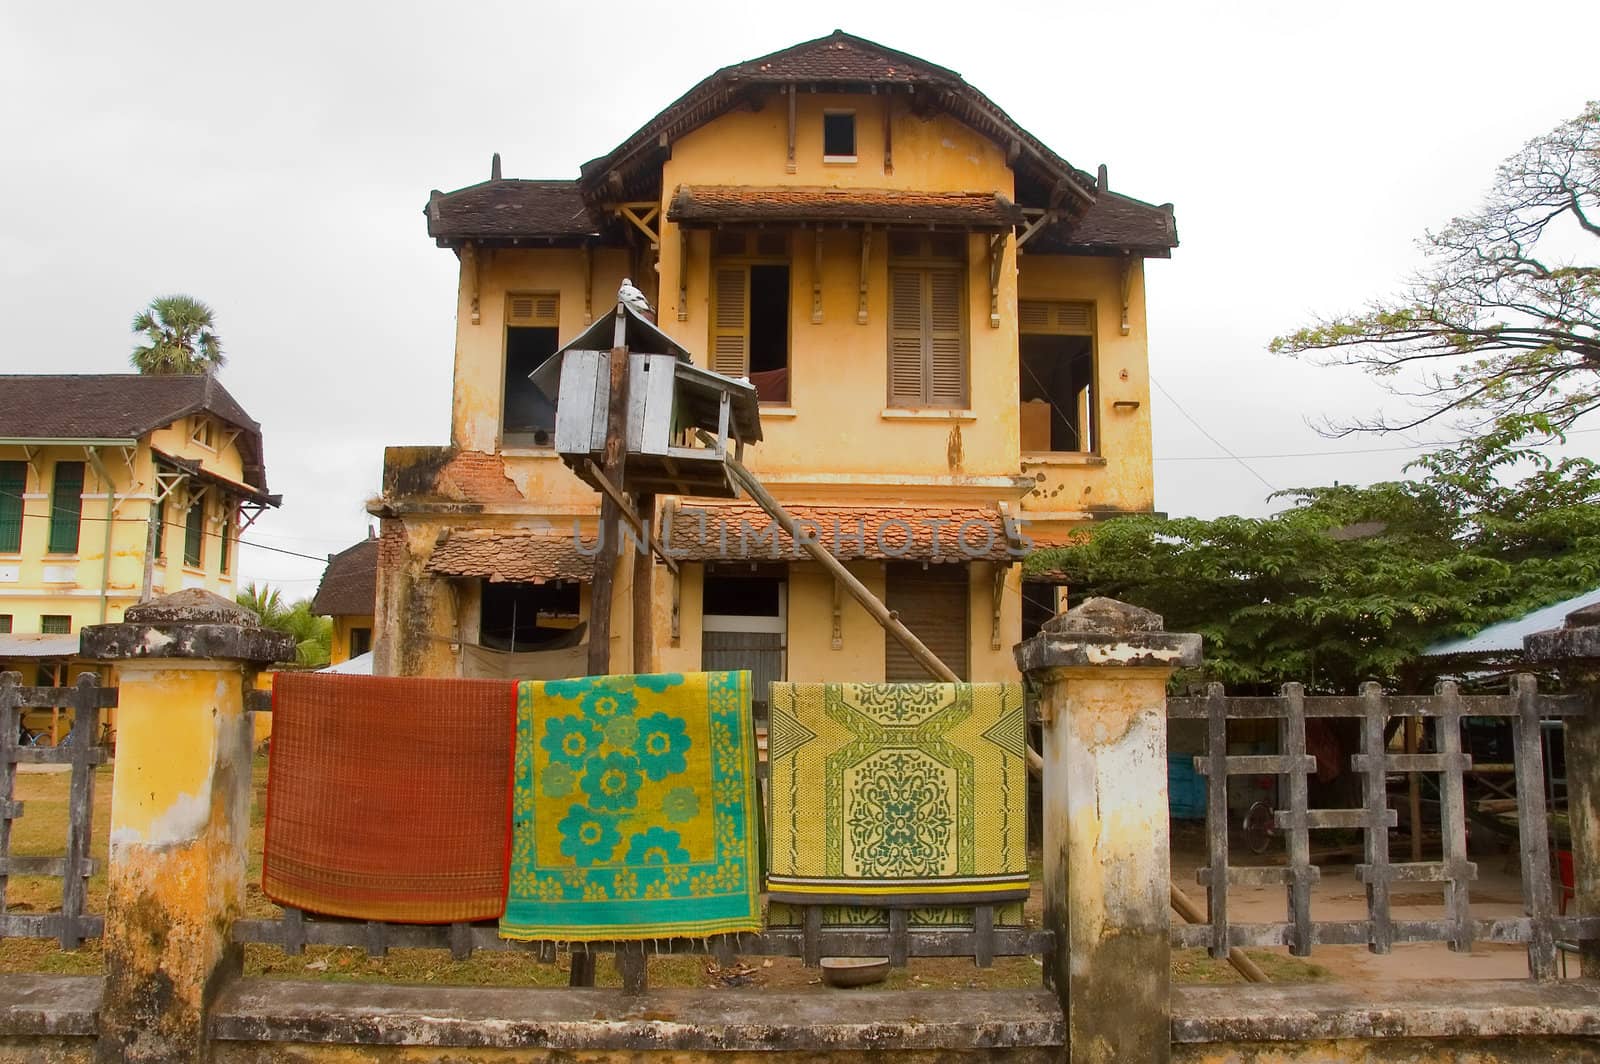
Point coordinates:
[[1504, 319], [181, 336], [313, 634], [1350, 583]]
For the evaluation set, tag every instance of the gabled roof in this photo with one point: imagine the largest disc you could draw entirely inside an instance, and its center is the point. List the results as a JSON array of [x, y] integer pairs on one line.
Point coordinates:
[[121, 406], [349, 585], [841, 62], [511, 210]]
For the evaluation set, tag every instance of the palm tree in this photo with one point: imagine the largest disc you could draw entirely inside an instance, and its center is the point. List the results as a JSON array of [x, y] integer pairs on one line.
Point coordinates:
[[313, 635], [182, 342], [266, 603]]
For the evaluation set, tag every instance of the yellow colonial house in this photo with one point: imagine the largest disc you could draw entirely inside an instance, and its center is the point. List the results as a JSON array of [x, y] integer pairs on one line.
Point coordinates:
[[347, 592], [944, 321], [114, 487]]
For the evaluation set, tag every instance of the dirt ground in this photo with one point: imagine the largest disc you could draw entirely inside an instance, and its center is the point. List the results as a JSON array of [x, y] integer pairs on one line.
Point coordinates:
[[1338, 896]]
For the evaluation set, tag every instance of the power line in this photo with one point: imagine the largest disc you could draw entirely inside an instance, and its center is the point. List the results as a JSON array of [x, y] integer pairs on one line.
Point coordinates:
[[1208, 435]]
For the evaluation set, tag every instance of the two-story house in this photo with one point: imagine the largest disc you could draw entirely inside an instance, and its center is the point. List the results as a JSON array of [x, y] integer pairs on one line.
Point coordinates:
[[945, 323], [115, 487]]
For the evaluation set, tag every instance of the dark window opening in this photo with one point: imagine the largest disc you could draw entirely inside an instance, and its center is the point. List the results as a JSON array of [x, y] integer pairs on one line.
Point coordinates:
[[769, 332], [360, 641], [839, 136], [55, 624], [1038, 606], [742, 596], [5, 624], [528, 414], [1058, 393], [161, 530], [13, 482], [519, 617], [194, 533], [225, 544]]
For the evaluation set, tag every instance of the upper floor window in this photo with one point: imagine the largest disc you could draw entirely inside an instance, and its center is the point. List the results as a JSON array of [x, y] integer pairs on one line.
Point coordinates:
[[1056, 376], [5, 624], [55, 624], [13, 482], [194, 532], [527, 418], [750, 312], [927, 320], [66, 508], [225, 538], [839, 137], [161, 529], [360, 641], [205, 433]]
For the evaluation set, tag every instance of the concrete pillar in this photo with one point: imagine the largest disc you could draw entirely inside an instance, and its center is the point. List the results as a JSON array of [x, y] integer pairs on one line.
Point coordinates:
[[1102, 671], [1574, 649], [180, 816]]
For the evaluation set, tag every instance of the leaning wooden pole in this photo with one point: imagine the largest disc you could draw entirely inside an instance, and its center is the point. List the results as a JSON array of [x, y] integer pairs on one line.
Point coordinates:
[[886, 617], [1193, 914]]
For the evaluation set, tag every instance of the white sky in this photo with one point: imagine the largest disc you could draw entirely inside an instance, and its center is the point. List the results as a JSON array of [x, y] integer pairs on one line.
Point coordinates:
[[274, 161]]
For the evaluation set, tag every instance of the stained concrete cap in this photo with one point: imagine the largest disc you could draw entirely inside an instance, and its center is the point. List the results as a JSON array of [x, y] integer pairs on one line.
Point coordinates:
[[187, 624], [1578, 640], [1105, 632]]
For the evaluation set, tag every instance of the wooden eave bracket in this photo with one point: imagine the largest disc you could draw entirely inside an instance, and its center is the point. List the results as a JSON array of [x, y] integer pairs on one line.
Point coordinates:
[[838, 616], [630, 515], [999, 593], [587, 254], [248, 512], [789, 165], [642, 215], [669, 510], [888, 134], [1038, 219], [816, 277], [1127, 292], [469, 269], [683, 274], [866, 259], [997, 255]]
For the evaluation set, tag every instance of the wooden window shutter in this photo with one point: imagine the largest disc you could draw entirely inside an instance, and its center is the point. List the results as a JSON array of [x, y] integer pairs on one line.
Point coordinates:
[[13, 482], [947, 363], [533, 309], [730, 322], [933, 603], [1075, 318], [1055, 317], [906, 376], [1033, 315]]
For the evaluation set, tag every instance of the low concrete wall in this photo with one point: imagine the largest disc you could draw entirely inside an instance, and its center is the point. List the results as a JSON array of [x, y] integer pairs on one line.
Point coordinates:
[[48, 1019]]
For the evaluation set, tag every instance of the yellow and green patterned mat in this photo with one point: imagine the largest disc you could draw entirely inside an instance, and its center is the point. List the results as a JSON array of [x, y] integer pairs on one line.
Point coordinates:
[[902, 794], [633, 809]]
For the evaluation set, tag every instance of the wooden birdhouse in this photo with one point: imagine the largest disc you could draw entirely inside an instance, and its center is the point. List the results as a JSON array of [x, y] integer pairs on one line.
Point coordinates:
[[668, 399]]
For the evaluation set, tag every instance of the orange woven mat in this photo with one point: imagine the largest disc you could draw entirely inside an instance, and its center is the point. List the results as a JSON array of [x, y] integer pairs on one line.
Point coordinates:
[[389, 798]]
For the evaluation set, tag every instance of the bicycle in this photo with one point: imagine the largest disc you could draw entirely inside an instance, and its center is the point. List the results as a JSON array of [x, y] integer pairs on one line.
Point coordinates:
[[27, 736], [1260, 824]]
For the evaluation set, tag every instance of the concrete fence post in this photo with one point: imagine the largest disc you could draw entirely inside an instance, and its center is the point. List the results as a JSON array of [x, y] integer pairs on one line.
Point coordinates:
[[180, 816], [1574, 649], [1102, 670]]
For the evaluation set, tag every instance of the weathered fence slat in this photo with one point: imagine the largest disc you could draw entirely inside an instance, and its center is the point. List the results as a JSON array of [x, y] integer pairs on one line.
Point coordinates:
[[1533, 827]]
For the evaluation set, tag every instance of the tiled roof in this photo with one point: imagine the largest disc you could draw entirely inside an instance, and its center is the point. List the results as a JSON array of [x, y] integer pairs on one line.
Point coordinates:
[[121, 406], [510, 209], [349, 585], [1113, 222], [840, 61], [740, 532], [798, 203], [513, 557]]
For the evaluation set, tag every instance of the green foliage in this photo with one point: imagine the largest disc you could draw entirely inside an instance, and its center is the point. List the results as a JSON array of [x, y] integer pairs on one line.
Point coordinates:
[[313, 634], [1504, 320], [1350, 584], [181, 338]]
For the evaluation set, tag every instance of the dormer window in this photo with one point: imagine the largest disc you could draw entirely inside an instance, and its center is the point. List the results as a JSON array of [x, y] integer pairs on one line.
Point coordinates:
[[204, 433], [839, 137]]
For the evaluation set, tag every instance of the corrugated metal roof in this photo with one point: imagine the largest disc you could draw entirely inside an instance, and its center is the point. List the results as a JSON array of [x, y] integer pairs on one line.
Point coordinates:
[[1507, 635], [34, 645]]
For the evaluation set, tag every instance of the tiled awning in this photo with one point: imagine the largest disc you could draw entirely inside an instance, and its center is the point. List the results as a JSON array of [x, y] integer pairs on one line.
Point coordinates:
[[743, 532], [746, 204], [514, 557]]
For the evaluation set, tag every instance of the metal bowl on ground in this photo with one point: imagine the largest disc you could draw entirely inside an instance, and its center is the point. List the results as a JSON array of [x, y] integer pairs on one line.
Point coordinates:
[[854, 971]]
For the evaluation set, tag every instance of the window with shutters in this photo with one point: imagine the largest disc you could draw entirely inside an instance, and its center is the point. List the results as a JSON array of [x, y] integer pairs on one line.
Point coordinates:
[[194, 533], [225, 539], [66, 508], [750, 312], [927, 321], [933, 603], [533, 319], [5, 624], [13, 482], [1056, 377]]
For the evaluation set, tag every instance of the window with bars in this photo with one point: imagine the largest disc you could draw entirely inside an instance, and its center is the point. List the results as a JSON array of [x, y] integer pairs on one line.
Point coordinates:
[[13, 482], [194, 532], [927, 322], [750, 312], [66, 508], [5, 624], [55, 624]]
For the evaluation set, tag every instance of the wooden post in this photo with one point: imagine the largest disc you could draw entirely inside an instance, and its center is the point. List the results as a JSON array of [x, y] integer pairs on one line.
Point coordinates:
[[1414, 786], [643, 592], [605, 564]]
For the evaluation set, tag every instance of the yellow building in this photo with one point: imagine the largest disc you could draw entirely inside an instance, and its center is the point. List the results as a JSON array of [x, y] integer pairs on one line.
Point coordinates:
[[347, 592], [945, 322], [114, 487]]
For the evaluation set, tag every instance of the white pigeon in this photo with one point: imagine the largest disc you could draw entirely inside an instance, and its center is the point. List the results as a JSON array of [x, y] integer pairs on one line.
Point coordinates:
[[633, 297]]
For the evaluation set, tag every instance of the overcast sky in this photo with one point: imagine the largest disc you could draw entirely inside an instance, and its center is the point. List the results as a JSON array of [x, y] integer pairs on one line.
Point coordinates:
[[274, 160]]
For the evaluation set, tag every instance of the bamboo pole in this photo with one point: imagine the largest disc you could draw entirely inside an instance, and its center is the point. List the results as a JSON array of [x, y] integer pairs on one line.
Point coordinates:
[[1193, 914]]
